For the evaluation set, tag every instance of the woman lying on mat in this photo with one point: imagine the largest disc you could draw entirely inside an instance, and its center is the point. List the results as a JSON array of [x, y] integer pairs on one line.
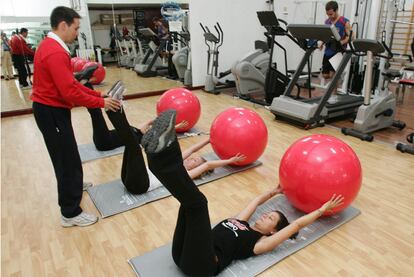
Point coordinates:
[[134, 174], [197, 249]]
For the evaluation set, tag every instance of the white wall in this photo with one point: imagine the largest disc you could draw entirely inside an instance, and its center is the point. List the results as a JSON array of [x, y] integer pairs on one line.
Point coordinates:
[[241, 28]]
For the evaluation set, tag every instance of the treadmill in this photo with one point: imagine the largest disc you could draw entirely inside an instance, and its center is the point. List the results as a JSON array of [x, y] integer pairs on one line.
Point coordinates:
[[151, 63], [314, 112]]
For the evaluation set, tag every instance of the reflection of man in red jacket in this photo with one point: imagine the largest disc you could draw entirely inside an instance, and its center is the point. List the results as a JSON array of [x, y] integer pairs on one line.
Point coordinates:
[[19, 52]]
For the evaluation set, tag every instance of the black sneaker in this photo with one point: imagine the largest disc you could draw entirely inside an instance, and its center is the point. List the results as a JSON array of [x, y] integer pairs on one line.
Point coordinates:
[[161, 134]]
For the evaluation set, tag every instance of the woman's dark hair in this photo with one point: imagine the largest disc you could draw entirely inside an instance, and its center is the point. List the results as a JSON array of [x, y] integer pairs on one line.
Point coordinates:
[[60, 14], [331, 5], [282, 223]]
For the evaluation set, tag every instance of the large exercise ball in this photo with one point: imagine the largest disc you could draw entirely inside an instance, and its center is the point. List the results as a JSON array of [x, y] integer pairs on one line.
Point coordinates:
[[78, 65], [98, 75], [184, 102], [238, 130], [316, 167], [73, 61]]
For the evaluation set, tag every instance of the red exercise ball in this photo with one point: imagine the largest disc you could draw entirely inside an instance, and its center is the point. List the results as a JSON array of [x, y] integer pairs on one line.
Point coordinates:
[[73, 61], [238, 130], [98, 75], [316, 167], [184, 102], [78, 65]]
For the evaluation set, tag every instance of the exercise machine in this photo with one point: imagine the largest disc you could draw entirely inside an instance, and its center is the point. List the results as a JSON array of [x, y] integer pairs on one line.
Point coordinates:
[[214, 81], [313, 112], [405, 148], [182, 59], [377, 112], [276, 81], [151, 63], [250, 72]]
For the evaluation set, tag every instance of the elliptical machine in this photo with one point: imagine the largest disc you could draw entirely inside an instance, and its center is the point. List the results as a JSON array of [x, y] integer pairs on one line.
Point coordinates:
[[182, 58], [250, 72], [379, 112], [213, 42]]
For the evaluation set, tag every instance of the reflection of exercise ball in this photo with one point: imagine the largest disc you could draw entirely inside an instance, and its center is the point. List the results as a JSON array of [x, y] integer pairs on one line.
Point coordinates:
[[78, 65], [316, 167], [98, 74], [184, 102], [73, 61], [238, 130]]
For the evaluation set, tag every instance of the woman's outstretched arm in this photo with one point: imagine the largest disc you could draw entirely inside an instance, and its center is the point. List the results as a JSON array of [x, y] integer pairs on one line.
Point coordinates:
[[252, 206], [187, 153], [266, 244], [210, 165]]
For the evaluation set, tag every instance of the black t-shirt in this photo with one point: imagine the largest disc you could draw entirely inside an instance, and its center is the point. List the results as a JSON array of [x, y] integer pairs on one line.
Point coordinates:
[[233, 239]]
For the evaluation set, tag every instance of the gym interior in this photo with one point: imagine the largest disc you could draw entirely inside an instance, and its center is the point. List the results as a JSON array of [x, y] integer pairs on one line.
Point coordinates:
[[263, 57]]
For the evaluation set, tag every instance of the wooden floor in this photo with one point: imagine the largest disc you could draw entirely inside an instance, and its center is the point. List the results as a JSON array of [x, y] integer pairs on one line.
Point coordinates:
[[379, 242], [13, 98]]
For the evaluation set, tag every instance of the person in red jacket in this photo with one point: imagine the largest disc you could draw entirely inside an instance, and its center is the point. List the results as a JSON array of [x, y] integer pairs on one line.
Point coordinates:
[[55, 91], [19, 52]]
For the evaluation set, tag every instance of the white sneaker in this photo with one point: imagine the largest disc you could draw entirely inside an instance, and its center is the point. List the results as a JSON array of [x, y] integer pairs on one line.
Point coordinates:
[[86, 185], [83, 219], [26, 87], [333, 99], [118, 94]]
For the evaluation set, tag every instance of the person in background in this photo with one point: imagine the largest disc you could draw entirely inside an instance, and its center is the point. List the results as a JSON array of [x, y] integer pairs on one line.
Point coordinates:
[[333, 47], [6, 61], [161, 30], [20, 50], [55, 92]]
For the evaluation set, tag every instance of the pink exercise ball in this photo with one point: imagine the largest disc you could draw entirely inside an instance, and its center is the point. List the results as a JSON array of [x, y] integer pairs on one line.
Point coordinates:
[[316, 167], [98, 75], [238, 130], [184, 102], [73, 61], [78, 65]]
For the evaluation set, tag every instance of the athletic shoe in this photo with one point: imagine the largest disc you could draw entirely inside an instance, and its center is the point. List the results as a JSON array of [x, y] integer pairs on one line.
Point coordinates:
[[118, 93], [114, 88], [333, 99], [161, 134], [83, 219], [27, 88], [86, 185]]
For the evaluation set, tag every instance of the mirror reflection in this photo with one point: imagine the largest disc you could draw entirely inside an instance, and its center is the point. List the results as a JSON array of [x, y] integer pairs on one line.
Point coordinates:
[[133, 43]]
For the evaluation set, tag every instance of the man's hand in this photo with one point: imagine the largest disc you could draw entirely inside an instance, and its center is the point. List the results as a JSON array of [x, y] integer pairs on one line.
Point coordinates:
[[112, 104], [103, 94]]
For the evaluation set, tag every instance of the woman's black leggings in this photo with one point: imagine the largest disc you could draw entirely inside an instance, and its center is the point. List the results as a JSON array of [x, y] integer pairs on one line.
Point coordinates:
[[192, 249], [134, 173], [103, 138]]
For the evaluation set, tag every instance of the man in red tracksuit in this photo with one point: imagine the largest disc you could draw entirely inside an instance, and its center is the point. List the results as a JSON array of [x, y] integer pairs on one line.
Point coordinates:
[[55, 92], [19, 52]]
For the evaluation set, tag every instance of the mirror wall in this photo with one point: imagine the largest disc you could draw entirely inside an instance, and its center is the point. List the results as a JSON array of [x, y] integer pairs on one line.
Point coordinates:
[[101, 18]]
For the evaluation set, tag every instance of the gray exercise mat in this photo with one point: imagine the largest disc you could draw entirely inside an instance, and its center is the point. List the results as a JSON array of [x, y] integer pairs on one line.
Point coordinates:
[[88, 152], [113, 198], [193, 132], [159, 261]]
